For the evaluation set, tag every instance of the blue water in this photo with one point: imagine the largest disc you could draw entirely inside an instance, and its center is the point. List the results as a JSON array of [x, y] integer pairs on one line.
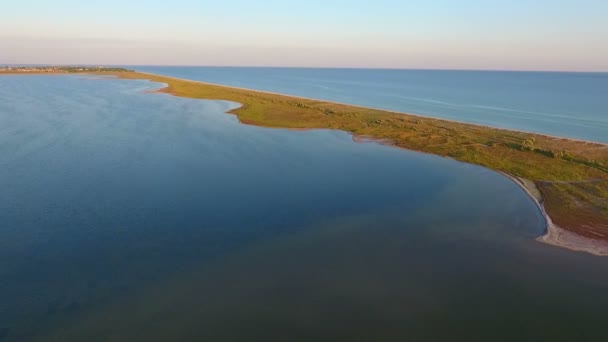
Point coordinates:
[[131, 216], [564, 104]]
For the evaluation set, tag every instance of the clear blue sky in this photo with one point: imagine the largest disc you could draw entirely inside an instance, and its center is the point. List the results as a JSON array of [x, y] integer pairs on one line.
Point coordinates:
[[473, 34]]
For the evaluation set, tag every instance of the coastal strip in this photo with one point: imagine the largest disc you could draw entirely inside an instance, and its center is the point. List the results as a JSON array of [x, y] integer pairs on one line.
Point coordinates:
[[567, 178]]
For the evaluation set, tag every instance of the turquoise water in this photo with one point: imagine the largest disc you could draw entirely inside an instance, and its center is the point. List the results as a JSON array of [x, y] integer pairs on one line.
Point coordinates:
[[564, 104], [130, 216]]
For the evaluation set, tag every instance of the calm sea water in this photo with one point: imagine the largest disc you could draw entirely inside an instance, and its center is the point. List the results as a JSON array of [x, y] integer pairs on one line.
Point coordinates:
[[563, 104], [130, 216]]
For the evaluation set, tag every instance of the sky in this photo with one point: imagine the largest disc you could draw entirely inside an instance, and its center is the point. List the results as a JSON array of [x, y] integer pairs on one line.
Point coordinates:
[[565, 35]]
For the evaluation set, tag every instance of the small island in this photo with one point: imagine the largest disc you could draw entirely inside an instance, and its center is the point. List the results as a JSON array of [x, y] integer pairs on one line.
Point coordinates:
[[566, 178]]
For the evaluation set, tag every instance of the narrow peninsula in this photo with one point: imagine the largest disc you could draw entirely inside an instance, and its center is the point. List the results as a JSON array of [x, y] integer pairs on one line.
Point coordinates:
[[567, 178]]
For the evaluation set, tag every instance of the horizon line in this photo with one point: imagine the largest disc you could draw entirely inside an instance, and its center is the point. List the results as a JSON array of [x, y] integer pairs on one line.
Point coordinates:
[[304, 67]]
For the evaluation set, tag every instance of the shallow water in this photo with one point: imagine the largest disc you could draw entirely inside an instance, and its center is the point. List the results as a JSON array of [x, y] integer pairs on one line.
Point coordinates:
[[134, 216], [556, 103]]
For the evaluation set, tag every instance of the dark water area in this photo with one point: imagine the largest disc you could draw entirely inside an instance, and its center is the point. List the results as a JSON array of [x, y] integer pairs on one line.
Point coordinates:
[[564, 104], [131, 216]]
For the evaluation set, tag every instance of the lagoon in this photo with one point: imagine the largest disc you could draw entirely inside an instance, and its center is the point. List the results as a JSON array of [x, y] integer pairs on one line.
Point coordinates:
[[135, 216]]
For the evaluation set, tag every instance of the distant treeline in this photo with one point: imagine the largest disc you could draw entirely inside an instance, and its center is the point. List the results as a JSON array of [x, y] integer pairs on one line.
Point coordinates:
[[65, 69], [84, 69]]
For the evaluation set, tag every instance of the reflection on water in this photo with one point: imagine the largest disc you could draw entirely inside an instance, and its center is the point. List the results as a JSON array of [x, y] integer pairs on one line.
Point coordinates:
[[138, 217]]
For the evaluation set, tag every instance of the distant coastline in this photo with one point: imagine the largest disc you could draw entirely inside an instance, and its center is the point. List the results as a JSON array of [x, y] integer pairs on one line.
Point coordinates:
[[567, 178], [58, 69]]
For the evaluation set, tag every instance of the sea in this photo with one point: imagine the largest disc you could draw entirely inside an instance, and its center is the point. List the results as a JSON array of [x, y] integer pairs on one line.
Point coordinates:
[[127, 215]]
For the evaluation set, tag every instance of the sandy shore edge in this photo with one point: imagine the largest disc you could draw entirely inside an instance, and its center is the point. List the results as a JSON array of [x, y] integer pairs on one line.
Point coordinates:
[[554, 234]]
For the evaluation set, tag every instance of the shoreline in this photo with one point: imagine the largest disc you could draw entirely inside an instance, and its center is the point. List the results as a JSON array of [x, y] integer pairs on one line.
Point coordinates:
[[554, 234]]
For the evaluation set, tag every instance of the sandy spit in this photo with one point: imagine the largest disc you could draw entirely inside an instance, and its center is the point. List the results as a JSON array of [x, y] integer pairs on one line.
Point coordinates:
[[554, 234]]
